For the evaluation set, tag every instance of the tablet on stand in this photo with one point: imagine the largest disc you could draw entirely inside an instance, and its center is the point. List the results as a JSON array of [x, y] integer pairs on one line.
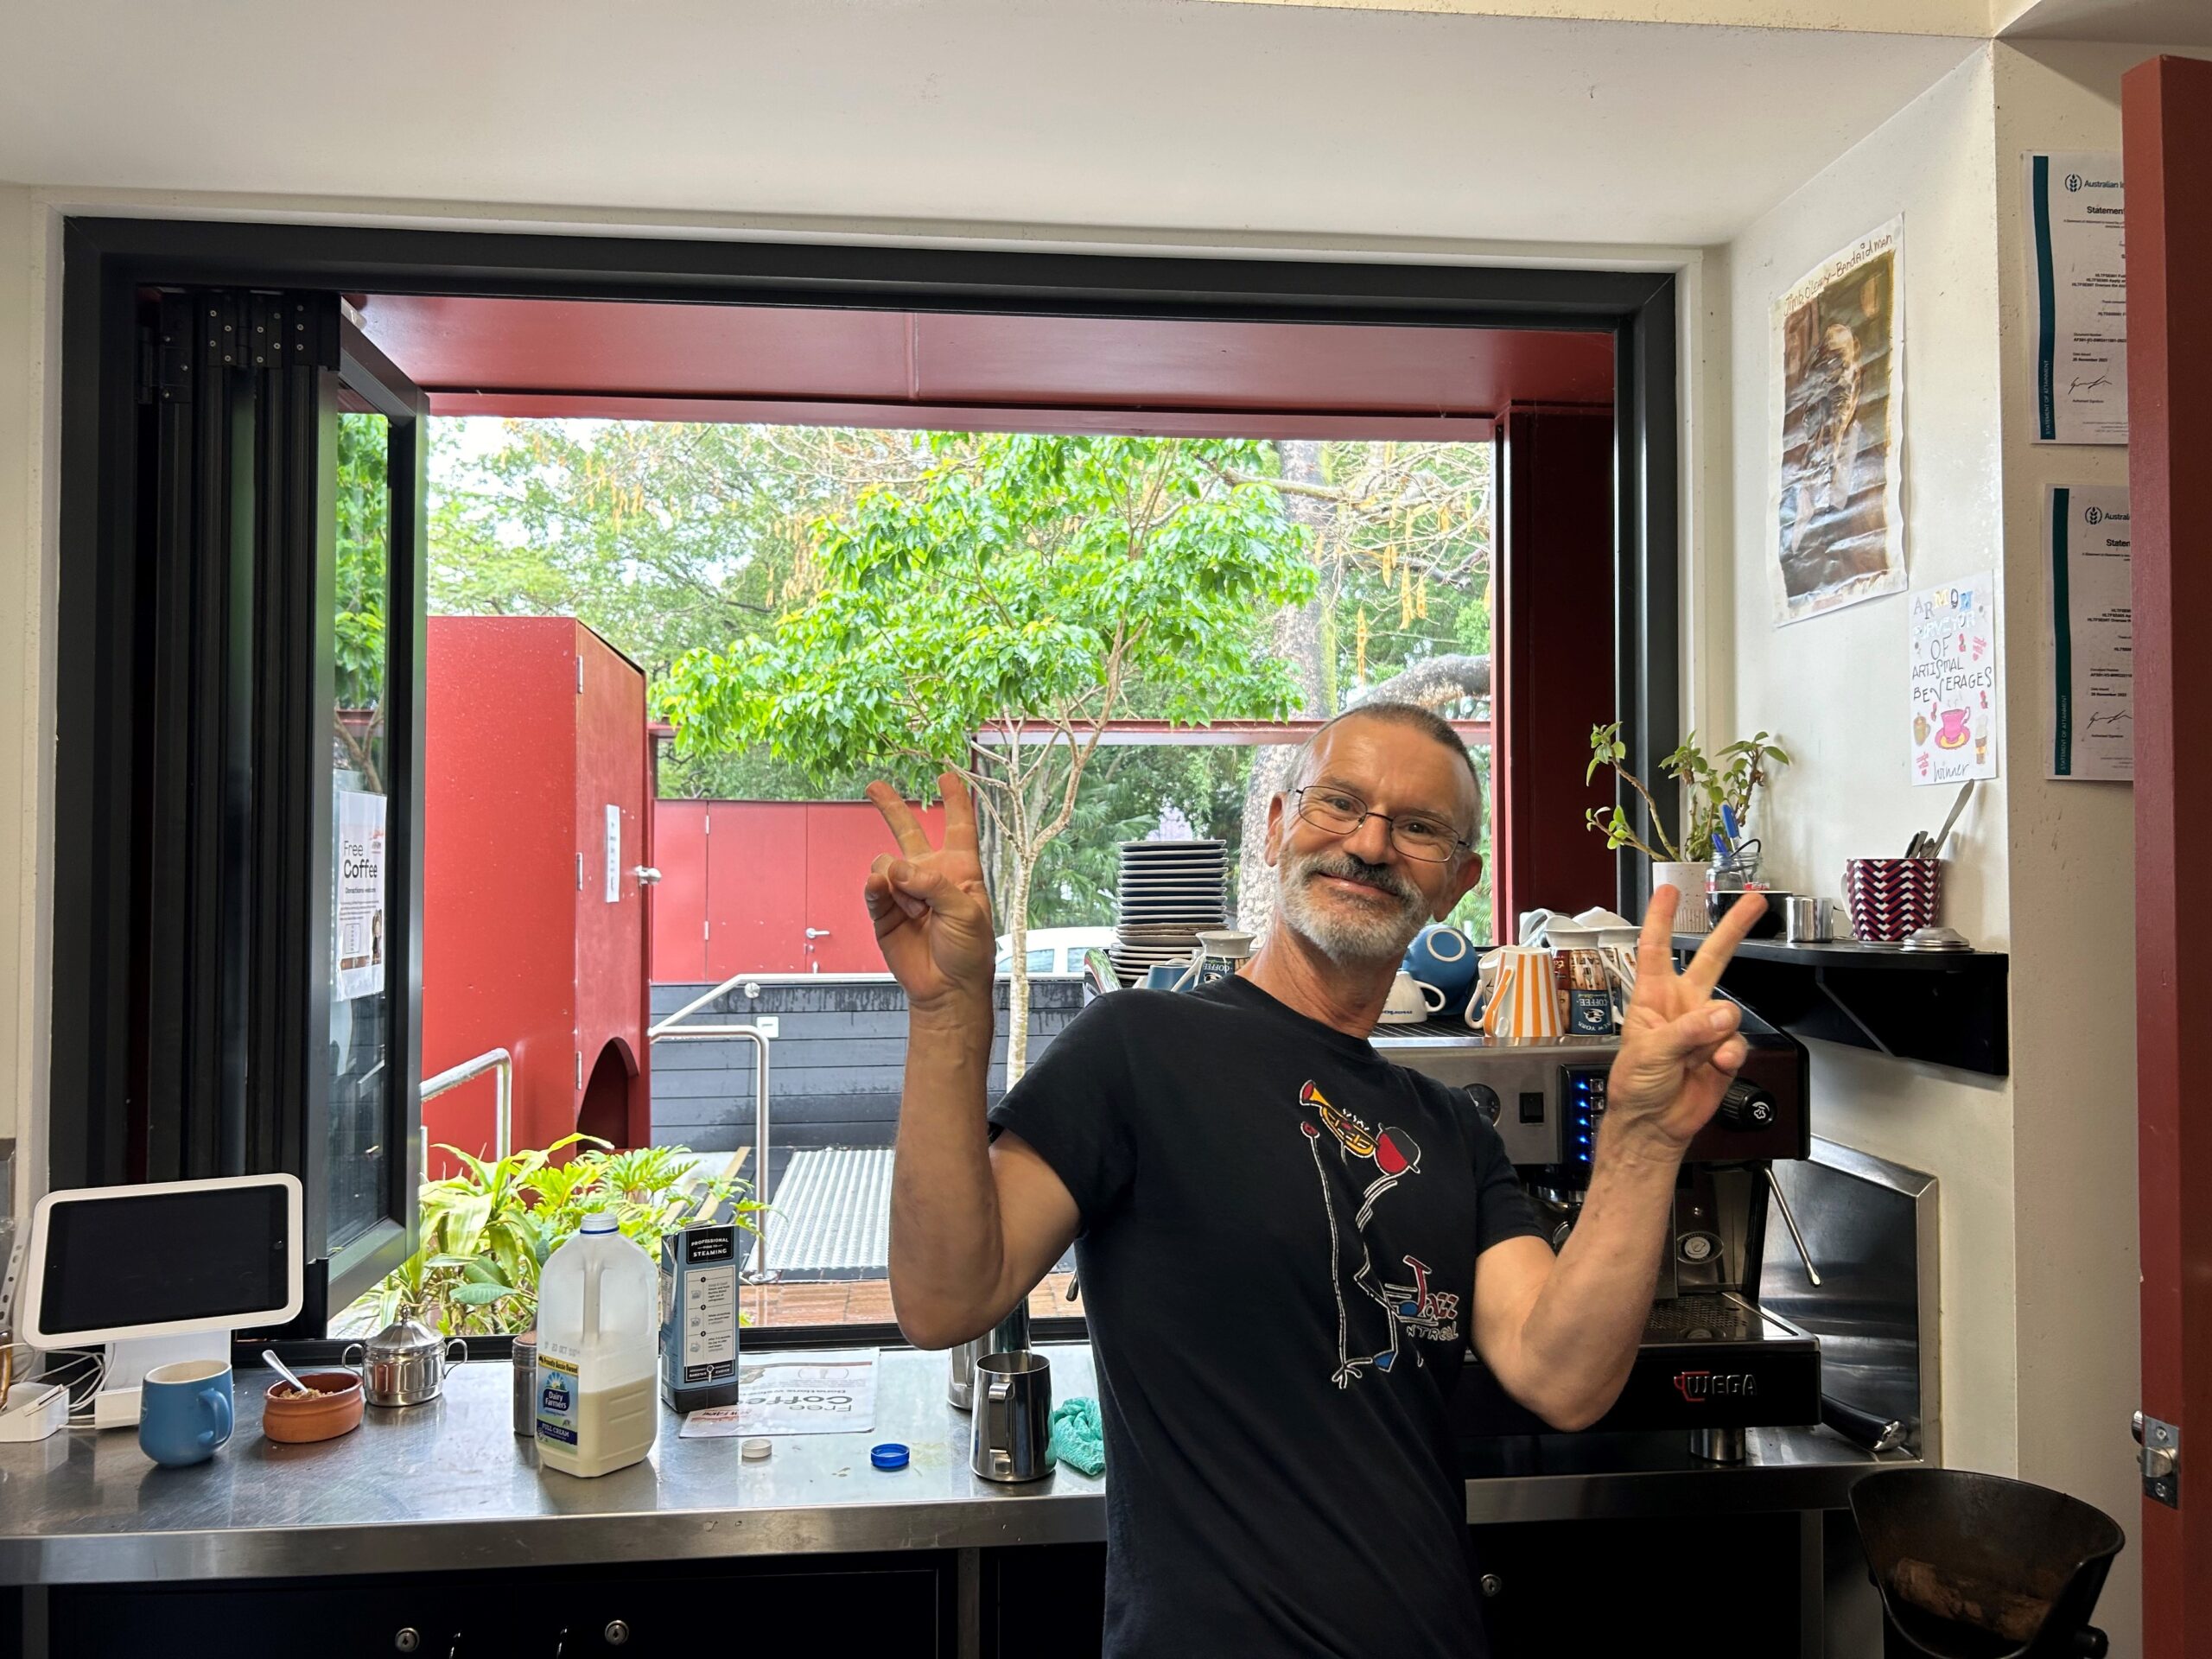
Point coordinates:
[[159, 1271]]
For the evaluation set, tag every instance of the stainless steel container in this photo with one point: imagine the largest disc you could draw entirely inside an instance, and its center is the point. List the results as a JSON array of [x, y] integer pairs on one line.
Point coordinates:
[[1010, 1335], [525, 1364], [1011, 1438], [1805, 920], [404, 1363]]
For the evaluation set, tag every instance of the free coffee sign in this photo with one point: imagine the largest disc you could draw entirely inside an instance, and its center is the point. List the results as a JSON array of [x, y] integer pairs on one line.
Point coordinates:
[[1956, 710]]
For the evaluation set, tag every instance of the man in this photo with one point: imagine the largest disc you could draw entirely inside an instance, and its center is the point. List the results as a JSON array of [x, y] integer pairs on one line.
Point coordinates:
[[1285, 1242]]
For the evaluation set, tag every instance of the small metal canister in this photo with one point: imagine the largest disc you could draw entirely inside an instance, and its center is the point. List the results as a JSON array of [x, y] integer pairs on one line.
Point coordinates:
[[525, 1356], [404, 1363]]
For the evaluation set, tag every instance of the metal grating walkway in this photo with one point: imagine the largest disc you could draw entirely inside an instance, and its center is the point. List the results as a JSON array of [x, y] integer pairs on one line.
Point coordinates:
[[832, 1215]]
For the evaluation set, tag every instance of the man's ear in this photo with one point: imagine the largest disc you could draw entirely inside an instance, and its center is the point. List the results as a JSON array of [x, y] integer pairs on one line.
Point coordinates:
[[1275, 820]]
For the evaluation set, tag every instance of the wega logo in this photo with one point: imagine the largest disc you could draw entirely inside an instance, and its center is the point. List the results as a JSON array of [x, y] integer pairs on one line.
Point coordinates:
[[1698, 1388]]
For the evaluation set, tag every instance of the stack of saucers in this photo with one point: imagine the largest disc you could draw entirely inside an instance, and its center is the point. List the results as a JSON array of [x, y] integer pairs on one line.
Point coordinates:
[[1169, 891]]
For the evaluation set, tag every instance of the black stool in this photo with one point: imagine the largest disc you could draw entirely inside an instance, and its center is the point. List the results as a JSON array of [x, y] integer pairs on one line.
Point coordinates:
[[1985, 1531]]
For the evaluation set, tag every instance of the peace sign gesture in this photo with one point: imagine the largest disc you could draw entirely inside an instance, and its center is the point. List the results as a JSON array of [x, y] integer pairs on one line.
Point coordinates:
[[1679, 1047], [932, 916]]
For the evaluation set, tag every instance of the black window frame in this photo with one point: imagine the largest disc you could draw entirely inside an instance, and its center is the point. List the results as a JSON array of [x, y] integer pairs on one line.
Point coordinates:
[[101, 924]]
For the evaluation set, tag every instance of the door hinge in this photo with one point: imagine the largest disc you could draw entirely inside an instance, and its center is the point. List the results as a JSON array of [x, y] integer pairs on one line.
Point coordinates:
[[580, 1068], [292, 331], [166, 368], [2158, 1459], [706, 930], [579, 676], [580, 872]]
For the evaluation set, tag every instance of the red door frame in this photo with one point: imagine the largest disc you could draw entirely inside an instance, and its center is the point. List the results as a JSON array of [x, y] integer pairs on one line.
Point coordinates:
[[1551, 678], [2166, 119]]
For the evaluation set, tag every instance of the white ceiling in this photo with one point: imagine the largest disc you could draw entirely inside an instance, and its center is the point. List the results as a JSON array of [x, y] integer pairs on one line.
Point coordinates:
[[1168, 114]]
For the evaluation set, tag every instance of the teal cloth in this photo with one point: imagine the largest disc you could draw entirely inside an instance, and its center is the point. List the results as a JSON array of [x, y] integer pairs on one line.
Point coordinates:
[[1078, 1440]]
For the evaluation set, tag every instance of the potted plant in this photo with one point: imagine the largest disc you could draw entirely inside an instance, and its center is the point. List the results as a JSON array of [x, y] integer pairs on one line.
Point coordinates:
[[1729, 778]]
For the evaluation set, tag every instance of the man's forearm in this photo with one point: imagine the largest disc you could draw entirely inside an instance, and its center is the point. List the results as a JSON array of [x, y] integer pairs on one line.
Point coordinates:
[[1581, 1333], [947, 1253]]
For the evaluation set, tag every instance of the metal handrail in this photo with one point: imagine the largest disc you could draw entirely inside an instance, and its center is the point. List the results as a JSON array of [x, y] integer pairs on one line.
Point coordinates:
[[502, 1065], [761, 1275]]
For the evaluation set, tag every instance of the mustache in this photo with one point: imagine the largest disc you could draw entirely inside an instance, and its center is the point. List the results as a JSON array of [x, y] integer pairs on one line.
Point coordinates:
[[1353, 868]]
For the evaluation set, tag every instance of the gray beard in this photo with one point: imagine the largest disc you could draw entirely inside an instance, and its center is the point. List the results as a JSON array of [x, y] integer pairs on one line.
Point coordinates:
[[1377, 936]]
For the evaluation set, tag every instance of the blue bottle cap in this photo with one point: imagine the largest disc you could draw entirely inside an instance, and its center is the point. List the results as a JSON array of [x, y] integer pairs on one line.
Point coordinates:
[[889, 1455]]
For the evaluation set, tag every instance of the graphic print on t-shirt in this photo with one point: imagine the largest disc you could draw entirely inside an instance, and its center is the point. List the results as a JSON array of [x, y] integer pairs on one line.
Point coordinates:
[[1381, 1158]]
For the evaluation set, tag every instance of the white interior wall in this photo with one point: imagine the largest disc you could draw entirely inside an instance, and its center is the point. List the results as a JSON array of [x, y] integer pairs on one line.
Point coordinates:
[[1834, 687]]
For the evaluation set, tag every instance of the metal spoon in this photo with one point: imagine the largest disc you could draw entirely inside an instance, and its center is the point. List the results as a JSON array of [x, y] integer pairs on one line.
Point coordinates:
[[1936, 846], [284, 1370]]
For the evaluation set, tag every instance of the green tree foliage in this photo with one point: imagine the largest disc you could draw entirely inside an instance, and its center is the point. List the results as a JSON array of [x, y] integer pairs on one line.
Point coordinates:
[[1066, 582]]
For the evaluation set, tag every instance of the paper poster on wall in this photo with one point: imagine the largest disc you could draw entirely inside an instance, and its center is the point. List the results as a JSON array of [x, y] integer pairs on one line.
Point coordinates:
[[2089, 635], [2077, 295], [1955, 709], [358, 927], [1837, 422]]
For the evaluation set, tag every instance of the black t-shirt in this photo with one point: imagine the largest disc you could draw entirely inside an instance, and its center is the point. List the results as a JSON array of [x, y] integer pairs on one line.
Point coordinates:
[[1277, 1254]]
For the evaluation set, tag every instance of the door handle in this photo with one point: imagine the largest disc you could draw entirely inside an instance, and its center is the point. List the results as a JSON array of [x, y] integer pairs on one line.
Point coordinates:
[[647, 875], [817, 932]]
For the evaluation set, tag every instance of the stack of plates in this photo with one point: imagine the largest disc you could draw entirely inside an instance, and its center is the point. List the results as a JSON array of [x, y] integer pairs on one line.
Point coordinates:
[[1169, 891]]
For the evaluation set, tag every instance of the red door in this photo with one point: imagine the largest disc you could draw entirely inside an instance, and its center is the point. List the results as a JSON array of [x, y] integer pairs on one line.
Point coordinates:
[[679, 898], [2166, 117], [756, 887]]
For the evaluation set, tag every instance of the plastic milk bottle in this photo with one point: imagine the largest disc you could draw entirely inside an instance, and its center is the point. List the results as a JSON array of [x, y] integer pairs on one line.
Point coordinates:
[[597, 1352]]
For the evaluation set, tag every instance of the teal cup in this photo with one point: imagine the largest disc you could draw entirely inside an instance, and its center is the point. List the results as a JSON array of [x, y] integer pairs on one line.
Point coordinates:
[[184, 1412]]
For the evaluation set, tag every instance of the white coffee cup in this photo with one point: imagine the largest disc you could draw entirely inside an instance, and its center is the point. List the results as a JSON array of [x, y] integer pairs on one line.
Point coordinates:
[[1410, 1001]]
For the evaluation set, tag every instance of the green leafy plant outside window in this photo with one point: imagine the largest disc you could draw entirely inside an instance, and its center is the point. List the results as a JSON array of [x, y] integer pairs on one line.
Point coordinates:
[[488, 1231]]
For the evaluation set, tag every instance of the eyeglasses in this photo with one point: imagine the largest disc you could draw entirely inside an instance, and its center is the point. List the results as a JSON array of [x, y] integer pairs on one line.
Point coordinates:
[[1416, 835]]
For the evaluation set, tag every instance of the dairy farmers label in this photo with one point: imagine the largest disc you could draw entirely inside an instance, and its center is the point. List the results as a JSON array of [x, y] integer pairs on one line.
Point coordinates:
[[556, 1400]]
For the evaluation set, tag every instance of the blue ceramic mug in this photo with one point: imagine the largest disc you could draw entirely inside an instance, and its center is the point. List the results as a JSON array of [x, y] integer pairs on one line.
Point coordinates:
[[184, 1412], [1441, 956]]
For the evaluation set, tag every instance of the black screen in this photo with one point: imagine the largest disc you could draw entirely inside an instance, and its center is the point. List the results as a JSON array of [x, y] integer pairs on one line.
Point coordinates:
[[163, 1257]]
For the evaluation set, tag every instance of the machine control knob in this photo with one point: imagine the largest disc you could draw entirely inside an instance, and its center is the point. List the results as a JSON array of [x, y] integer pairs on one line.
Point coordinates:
[[1747, 1106], [1486, 1101]]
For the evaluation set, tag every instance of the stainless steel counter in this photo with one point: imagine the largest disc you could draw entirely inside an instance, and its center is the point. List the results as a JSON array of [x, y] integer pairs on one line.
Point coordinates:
[[449, 1485]]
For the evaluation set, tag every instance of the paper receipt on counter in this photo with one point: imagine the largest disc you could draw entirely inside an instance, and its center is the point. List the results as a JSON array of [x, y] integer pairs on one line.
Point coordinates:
[[794, 1396]]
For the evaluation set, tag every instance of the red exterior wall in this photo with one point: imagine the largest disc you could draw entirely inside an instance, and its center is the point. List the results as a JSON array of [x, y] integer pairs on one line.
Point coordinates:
[[517, 767], [742, 881]]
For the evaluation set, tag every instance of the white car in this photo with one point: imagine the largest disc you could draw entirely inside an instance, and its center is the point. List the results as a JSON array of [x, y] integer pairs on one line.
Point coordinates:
[[1055, 949]]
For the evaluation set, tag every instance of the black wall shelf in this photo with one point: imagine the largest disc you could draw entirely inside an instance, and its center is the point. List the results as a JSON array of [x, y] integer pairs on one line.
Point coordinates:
[[1946, 1008]]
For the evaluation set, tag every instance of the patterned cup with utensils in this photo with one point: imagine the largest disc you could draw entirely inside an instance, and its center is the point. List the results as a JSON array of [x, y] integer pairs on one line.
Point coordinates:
[[1889, 898]]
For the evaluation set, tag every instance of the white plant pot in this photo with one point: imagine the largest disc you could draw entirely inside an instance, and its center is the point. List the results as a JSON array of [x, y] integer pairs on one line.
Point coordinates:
[[1689, 881]]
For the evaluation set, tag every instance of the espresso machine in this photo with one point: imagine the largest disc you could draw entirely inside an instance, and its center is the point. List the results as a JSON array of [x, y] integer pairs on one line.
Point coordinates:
[[1713, 1362]]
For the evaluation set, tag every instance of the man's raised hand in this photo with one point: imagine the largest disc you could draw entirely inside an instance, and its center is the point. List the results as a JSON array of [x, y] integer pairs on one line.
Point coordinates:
[[932, 916], [1679, 1047]]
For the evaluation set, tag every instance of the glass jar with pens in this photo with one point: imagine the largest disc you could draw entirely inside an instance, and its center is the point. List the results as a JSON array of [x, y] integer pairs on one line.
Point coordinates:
[[1735, 864]]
